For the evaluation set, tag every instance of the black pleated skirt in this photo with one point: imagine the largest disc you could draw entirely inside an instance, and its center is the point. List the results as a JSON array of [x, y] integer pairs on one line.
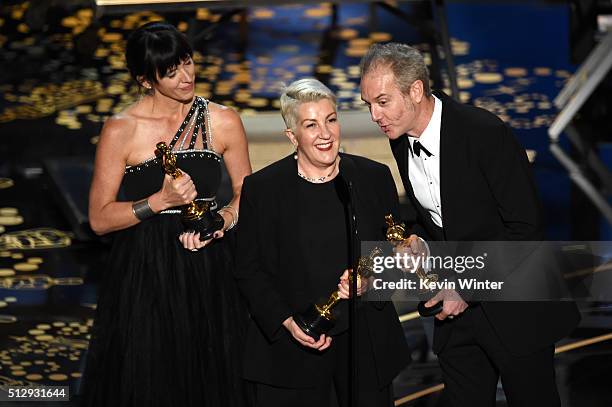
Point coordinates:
[[169, 323]]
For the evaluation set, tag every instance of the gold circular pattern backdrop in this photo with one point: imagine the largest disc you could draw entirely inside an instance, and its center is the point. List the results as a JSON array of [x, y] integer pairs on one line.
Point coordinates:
[[488, 77], [25, 267], [10, 220], [6, 183], [8, 211]]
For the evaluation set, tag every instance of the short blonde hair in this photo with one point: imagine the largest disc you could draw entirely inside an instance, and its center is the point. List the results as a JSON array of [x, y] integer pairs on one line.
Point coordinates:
[[302, 91]]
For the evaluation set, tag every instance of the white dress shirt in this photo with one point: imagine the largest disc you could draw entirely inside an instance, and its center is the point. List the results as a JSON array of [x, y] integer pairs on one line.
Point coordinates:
[[424, 171]]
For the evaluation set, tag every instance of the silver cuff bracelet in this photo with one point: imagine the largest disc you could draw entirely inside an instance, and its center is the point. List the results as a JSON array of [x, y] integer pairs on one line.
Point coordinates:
[[142, 210]]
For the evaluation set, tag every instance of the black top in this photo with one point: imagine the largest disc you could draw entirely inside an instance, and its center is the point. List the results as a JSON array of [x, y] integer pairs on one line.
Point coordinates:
[[202, 165], [323, 238]]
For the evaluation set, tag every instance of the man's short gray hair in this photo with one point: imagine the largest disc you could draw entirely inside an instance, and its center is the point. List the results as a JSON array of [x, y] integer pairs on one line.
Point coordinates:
[[302, 91], [405, 62]]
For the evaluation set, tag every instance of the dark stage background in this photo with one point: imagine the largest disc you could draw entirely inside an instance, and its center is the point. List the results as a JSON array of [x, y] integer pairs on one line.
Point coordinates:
[[62, 74]]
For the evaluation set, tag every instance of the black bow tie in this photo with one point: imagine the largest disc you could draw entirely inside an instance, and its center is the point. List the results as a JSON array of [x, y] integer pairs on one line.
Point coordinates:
[[418, 147]]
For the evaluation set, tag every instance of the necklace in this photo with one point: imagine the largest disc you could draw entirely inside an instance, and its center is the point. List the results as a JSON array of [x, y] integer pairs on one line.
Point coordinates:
[[318, 180]]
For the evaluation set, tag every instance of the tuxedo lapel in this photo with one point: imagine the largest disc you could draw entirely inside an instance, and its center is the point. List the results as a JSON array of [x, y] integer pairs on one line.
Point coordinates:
[[450, 165], [401, 149]]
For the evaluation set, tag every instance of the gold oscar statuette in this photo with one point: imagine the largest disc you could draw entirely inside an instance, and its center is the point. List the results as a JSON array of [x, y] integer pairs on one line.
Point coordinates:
[[396, 233], [318, 318], [196, 215]]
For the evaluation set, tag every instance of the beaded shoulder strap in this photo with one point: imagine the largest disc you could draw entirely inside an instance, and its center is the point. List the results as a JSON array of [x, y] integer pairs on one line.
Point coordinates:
[[194, 108], [202, 114], [207, 129], [198, 124]]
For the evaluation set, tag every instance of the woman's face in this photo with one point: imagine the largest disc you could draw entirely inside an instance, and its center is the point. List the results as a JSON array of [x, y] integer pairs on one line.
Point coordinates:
[[179, 82], [316, 134]]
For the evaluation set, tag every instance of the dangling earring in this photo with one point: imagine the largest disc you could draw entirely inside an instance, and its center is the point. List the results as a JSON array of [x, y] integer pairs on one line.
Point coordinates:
[[147, 89], [295, 157]]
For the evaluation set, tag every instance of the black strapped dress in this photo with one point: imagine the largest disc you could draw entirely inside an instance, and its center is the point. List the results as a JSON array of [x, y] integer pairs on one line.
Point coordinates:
[[169, 321]]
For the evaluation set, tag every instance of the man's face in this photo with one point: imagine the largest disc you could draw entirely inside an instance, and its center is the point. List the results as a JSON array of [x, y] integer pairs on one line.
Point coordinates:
[[394, 112]]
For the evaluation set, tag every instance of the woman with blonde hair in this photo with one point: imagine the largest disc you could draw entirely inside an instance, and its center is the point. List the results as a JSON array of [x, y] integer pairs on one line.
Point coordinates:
[[293, 251]]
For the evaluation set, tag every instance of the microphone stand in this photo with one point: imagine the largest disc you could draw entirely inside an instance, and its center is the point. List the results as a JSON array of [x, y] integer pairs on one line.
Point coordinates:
[[353, 240], [346, 193]]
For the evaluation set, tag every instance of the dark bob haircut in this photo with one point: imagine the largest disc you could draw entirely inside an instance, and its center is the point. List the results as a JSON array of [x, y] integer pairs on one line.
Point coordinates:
[[153, 49]]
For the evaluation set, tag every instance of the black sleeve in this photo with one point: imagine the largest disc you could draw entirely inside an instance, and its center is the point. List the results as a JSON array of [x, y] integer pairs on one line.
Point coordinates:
[[266, 305], [507, 172], [508, 175]]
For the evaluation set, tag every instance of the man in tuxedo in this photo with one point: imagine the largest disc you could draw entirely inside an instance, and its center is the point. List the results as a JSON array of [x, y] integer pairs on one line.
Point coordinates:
[[468, 179]]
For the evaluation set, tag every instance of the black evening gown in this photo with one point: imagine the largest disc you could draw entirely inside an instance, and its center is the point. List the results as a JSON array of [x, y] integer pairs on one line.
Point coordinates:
[[169, 321]]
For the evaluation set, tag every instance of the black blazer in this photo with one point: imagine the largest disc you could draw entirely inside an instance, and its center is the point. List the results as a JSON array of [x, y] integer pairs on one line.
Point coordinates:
[[271, 274], [488, 194]]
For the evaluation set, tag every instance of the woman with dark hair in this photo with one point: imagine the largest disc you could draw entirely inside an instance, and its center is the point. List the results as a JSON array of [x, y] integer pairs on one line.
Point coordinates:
[[169, 320]]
